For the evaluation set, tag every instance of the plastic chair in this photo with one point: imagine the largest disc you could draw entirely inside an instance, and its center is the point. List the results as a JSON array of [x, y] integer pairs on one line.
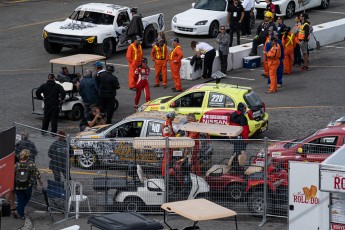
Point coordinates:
[[77, 198]]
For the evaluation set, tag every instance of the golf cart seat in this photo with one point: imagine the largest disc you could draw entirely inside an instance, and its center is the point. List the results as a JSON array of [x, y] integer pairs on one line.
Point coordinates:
[[253, 169], [220, 169], [152, 184]]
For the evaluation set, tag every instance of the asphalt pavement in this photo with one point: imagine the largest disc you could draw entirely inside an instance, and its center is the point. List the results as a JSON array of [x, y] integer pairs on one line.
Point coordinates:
[[306, 102]]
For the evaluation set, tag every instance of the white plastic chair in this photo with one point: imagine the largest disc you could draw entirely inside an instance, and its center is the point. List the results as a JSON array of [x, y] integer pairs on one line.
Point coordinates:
[[77, 197]]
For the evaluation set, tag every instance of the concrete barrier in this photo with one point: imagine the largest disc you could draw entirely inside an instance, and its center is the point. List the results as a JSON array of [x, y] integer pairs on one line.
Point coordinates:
[[326, 33]]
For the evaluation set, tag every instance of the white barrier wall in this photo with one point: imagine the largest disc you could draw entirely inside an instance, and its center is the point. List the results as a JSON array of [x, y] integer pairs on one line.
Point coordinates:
[[326, 33]]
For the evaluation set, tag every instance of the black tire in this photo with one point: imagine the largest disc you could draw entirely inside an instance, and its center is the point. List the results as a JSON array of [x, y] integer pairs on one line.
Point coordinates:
[[88, 160], [255, 202], [150, 36], [213, 30], [324, 4], [116, 105], [252, 22], [52, 48], [133, 204], [106, 48], [290, 10], [235, 192], [76, 113]]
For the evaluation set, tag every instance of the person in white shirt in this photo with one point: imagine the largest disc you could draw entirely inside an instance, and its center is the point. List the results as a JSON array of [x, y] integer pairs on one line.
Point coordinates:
[[248, 6], [210, 54]]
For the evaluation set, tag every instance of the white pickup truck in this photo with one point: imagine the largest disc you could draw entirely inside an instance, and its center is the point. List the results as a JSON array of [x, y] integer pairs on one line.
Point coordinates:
[[99, 26]]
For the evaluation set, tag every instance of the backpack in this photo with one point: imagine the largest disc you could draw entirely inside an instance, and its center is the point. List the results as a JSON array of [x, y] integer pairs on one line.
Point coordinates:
[[22, 175]]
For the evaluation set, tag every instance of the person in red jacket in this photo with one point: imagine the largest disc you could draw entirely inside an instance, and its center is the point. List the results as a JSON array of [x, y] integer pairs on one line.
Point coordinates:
[[167, 131], [195, 154], [142, 73], [239, 118]]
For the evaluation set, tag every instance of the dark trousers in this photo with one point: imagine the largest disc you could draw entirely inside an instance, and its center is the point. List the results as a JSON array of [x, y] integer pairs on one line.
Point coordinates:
[[23, 198], [246, 23], [235, 27], [256, 43], [51, 115], [57, 175], [208, 62], [223, 62], [297, 55], [106, 105]]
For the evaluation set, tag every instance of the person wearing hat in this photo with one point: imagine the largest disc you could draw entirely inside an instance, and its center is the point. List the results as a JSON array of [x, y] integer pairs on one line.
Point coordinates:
[[134, 57], [265, 62], [160, 55], [273, 56], [88, 90], [281, 66], [289, 44], [270, 7], [167, 131], [175, 59], [135, 27], [262, 32], [142, 72], [303, 37], [53, 95]]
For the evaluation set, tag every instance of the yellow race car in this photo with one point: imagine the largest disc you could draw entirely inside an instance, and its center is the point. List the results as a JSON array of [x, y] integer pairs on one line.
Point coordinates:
[[212, 104]]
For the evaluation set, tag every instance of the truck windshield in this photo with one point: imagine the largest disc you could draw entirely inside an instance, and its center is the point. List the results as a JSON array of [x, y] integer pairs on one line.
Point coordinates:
[[92, 17], [215, 5]]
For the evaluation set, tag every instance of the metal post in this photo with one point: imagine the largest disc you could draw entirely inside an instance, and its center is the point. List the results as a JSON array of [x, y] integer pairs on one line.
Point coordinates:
[[51, 68], [264, 213], [167, 158], [68, 138]]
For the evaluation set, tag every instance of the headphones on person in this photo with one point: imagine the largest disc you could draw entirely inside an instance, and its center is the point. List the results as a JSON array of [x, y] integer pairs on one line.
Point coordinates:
[[241, 107]]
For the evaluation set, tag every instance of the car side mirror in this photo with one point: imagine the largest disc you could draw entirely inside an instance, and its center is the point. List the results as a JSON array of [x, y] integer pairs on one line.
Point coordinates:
[[300, 150], [193, 4], [172, 105]]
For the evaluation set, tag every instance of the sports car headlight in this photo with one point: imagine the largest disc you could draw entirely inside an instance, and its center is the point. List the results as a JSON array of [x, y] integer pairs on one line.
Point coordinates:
[[174, 19], [90, 39], [45, 34], [201, 23]]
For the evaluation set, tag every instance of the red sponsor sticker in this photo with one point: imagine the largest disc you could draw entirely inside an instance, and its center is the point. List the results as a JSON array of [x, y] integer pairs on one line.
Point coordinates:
[[337, 226]]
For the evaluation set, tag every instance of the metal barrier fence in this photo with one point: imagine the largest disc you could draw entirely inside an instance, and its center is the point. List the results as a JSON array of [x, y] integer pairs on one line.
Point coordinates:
[[247, 176]]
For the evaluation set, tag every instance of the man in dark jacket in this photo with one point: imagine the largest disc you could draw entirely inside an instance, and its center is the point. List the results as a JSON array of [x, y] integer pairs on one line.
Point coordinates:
[[88, 90], [53, 94], [135, 27], [25, 143], [108, 84]]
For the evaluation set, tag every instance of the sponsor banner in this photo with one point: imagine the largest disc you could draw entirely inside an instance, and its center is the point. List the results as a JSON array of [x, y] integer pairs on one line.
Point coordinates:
[[332, 181], [337, 226]]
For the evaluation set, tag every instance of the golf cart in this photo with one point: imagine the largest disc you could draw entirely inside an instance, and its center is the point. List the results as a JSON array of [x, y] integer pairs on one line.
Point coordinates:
[[73, 105]]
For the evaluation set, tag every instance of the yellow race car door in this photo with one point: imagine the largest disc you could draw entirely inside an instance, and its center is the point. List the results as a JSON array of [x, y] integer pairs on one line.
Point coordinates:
[[190, 102]]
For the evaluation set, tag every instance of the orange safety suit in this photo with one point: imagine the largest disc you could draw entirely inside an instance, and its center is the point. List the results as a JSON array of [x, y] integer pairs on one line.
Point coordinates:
[[167, 131], [265, 56], [175, 58], [160, 56], [195, 154], [273, 57], [289, 43], [134, 56]]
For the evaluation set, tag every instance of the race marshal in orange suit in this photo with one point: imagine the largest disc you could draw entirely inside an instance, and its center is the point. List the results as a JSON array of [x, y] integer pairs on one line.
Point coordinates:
[[167, 131], [160, 55], [175, 58], [134, 56]]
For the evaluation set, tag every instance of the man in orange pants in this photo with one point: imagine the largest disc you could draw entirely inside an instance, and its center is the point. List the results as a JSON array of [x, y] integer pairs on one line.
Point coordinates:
[[289, 43], [273, 57], [175, 58], [167, 131], [134, 56], [159, 55]]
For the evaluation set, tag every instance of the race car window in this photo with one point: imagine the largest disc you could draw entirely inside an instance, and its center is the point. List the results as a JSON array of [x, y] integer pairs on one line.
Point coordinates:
[[122, 19], [215, 5], [218, 100], [191, 100], [92, 17], [154, 129], [323, 145], [128, 129]]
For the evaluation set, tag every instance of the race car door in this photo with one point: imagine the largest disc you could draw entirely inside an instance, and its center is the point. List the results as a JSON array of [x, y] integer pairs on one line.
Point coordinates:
[[308, 206], [191, 102]]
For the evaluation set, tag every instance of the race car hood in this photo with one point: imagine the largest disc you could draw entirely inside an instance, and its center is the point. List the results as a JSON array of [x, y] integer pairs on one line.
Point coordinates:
[[279, 146], [193, 16], [75, 28], [153, 105]]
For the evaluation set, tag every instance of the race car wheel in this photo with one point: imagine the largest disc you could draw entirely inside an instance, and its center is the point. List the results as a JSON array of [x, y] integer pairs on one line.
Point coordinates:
[[235, 192], [290, 10], [88, 160], [105, 49], [150, 36], [252, 22], [255, 203], [76, 113], [52, 48], [133, 204], [116, 105], [213, 30], [324, 4]]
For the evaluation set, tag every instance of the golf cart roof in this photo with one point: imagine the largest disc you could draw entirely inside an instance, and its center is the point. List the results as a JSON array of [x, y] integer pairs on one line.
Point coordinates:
[[218, 129], [157, 115], [77, 59]]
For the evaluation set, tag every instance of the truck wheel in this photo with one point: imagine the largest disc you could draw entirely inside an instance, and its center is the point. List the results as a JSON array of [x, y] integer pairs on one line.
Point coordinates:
[[88, 160], [52, 48], [105, 49], [116, 105], [324, 4], [76, 113], [213, 30], [256, 202], [150, 36]]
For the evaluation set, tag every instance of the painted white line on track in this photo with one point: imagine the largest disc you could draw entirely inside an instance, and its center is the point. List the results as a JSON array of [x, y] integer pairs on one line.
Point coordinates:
[[242, 78], [126, 66], [337, 47], [329, 12]]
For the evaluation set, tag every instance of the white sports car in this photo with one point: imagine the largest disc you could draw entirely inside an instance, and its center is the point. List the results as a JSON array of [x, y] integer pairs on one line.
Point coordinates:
[[204, 18], [288, 8]]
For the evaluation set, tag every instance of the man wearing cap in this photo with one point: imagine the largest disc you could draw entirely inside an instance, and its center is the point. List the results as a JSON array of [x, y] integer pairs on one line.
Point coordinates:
[[289, 44], [175, 59], [281, 59], [303, 37], [267, 42], [160, 55], [273, 56], [167, 131], [142, 72], [135, 27], [53, 94], [134, 56]]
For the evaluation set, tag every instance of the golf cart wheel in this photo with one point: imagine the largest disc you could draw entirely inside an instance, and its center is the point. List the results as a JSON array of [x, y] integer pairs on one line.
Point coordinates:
[[213, 30], [150, 36], [52, 48], [88, 160], [235, 192], [290, 10], [106, 48], [116, 105], [324, 4], [76, 113], [133, 204], [256, 202]]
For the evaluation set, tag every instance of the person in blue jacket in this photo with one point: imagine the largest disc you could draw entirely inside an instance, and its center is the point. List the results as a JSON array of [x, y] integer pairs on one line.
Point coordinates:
[[89, 90], [281, 65]]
